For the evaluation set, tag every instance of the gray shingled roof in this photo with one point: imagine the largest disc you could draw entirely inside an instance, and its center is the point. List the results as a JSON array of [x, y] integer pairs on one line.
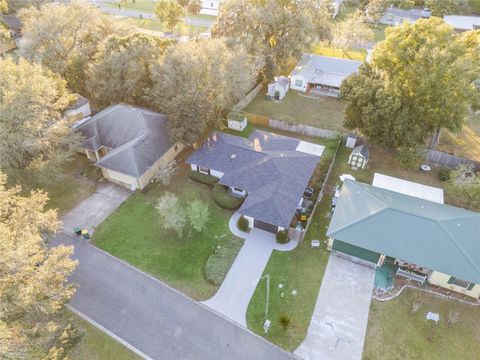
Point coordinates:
[[266, 165], [325, 70], [437, 236], [135, 138], [362, 150]]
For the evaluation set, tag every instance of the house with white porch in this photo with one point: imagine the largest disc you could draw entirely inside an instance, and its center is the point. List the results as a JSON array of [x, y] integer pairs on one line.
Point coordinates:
[[210, 7], [321, 74]]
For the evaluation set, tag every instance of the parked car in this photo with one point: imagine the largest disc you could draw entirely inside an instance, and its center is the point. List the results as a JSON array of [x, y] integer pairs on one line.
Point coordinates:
[[308, 193]]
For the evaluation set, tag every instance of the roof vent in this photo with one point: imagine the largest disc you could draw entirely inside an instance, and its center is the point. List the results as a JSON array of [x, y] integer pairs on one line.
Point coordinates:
[[233, 156]]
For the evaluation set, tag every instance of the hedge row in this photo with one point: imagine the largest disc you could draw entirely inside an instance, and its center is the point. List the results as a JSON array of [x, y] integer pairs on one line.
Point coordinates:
[[202, 178], [225, 200], [218, 264]]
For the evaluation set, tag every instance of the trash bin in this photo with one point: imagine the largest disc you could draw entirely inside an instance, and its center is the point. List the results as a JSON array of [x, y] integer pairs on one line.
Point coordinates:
[[85, 234], [77, 230]]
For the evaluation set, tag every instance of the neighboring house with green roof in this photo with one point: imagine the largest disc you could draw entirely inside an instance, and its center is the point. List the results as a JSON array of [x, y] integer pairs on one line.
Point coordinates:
[[438, 240]]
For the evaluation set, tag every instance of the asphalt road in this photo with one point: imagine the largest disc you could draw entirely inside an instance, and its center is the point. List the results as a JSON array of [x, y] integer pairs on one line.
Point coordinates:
[[154, 318]]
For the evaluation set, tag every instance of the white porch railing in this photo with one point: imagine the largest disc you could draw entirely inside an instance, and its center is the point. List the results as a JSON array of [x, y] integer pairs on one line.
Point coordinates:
[[411, 276]]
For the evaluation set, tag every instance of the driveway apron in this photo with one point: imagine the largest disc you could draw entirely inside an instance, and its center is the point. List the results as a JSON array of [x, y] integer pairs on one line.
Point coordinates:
[[339, 322]]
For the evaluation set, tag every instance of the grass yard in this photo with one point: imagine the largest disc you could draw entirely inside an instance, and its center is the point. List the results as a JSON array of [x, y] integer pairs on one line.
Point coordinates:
[[465, 143], [378, 32], [302, 270], [133, 233], [77, 182], [359, 54], [393, 332], [96, 345], [155, 25], [324, 112]]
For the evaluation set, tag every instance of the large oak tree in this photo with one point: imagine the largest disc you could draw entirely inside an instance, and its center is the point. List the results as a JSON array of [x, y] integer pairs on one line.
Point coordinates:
[[420, 80]]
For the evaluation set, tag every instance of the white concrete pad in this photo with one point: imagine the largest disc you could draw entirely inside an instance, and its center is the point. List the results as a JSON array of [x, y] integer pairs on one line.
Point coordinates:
[[310, 148], [339, 322], [411, 188]]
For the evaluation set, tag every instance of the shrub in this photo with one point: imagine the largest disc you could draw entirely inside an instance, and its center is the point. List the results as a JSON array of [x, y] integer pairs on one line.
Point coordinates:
[[172, 216], [242, 224], [464, 184], [202, 178], [444, 174], [218, 264], [198, 214], [409, 157], [282, 237], [285, 322], [223, 199]]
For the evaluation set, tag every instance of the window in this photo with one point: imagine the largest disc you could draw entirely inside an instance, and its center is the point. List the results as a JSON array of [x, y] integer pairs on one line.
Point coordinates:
[[204, 170], [298, 83], [237, 189], [462, 283]]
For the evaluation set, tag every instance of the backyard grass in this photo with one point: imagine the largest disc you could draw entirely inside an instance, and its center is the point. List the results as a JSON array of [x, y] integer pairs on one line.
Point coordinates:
[[378, 32], [155, 25], [465, 143], [358, 54], [301, 270], [324, 112], [133, 233], [96, 345], [393, 332], [76, 182]]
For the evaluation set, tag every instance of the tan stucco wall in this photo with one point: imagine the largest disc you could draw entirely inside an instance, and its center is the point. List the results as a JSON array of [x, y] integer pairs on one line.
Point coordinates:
[[441, 279], [164, 160]]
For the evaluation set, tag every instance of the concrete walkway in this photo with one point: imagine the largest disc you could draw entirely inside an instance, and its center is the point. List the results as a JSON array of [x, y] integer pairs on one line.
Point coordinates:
[[92, 211], [339, 322], [234, 295]]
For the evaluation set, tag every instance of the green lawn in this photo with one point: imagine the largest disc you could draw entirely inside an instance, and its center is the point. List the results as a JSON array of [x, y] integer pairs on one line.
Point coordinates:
[[354, 54], [96, 345], [393, 332], [133, 233], [156, 25], [325, 112], [465, 143], [76, 182], [378, 32], [302, 270]]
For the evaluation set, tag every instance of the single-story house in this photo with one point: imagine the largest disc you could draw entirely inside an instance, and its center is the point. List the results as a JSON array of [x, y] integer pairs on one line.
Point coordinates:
[[321, 74], [14, 25], [129, 144], [271, 171], [439, 242], [359, 157], [463, 23], [210, 7], [394, 16], [80, 108], [278, 89]]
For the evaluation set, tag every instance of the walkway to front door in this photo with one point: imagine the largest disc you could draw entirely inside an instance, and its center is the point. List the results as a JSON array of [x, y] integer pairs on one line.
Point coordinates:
[[339, 322], [232, 299]]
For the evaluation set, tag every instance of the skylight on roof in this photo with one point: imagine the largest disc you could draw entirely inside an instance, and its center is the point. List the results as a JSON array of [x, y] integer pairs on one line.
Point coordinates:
[[233, 156]]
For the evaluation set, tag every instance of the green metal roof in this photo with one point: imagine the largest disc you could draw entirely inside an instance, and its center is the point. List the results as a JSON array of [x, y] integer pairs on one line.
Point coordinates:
[[437, 236]]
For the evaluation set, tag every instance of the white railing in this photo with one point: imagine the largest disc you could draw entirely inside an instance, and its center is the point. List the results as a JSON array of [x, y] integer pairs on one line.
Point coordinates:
[[411, 276]]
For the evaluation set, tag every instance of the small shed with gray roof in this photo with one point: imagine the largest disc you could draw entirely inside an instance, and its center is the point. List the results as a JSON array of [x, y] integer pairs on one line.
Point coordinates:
[[270, 170], [129, 144], [321, 74], [278, 89], [438, 241]]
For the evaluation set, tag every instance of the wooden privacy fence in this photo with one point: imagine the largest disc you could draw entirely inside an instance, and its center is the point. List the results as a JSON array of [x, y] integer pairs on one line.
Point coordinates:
[[440, 158], [248, 98], [259, 120]]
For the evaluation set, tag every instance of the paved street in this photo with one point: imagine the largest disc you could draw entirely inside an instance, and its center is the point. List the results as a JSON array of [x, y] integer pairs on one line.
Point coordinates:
[[339, 322], [155, 319], [237, 289]]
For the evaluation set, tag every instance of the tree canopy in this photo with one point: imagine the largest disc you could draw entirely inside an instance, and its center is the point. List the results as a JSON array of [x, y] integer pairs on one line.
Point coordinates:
[[33, 279], [197, 84], [122, 71], [169, 13], [275, 31], [65, 38], [419, 81], [34, 139], [353, 32]]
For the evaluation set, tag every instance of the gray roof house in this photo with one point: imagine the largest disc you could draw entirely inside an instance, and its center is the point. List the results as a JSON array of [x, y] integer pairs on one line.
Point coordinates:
[[441, 240], [271, 170], [321, 74], [463, 23], [394, 16], [129, 144]]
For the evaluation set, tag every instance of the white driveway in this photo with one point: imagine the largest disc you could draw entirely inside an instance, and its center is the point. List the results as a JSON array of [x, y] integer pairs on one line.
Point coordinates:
[[94, 210], [232, 299], [339, 322]]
